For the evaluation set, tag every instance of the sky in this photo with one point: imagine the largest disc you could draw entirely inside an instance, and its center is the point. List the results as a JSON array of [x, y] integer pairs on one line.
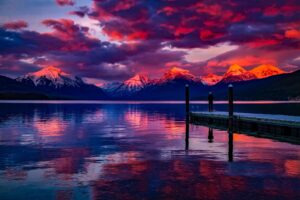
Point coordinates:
[[111, 40]]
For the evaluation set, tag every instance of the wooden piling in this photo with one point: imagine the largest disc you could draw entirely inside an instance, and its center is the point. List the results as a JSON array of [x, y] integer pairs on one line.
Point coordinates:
[[230, 107], [187, 116], [187, 100], [230, 123], [210, 102]]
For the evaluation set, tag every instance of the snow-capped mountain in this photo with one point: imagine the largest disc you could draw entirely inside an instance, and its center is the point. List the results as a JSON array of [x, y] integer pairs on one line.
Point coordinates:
[[140, 83], [236, 73], [264, 89], [111, 86], [141, 86], [171, 86], [211, 79], [55, 83], [136, 83], [51, 77], [266, 70], [132, 85], [176, 73]]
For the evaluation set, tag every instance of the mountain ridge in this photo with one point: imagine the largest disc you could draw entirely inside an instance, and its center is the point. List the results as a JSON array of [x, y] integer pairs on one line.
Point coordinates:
[[56, 84], [53, 83], [52, 77], [266, 70]]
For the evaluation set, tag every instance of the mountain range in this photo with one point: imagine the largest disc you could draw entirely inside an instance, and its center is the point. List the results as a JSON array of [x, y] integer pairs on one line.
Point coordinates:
[[48, 83], [53, 83], [140, 85]]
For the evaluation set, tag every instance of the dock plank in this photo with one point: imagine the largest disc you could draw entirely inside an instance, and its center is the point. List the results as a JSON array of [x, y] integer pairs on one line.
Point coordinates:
[[284, 120], [279, 127]]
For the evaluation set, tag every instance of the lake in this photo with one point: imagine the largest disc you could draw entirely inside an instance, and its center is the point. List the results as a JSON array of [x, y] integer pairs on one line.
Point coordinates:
[[136, 150]]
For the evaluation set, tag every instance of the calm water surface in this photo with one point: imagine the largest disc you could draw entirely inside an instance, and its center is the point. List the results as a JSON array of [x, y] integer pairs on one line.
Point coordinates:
[[137, 151]]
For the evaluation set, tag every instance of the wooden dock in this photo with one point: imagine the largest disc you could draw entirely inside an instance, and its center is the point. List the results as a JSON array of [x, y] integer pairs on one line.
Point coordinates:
[[281, 127], [275, 126]]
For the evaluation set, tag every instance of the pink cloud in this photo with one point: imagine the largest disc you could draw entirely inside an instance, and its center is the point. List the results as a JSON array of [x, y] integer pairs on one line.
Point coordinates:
[[16, 25], [65, 2]]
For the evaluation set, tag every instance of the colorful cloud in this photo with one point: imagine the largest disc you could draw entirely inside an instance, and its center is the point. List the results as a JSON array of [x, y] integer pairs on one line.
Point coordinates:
[[148, 36], [65, 2], [15, 25]]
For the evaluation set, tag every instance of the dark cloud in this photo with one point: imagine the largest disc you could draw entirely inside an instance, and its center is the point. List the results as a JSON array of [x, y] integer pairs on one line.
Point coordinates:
[[14, 66], [81, 11]]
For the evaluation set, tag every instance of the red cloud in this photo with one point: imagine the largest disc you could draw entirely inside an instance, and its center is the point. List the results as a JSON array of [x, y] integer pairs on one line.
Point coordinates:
[[124, 5], [138, 35], [65, 2], [262, 43], [213, 10], [176, 22], [284, 10], [16, 25], [271, 11], [118, 36], [168, 10], [212, 23], [238, 17], [181, 30], [292, 34], [210, 35]]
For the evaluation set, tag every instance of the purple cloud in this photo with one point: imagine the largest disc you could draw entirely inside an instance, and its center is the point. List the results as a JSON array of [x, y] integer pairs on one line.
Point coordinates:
[[65, 2]]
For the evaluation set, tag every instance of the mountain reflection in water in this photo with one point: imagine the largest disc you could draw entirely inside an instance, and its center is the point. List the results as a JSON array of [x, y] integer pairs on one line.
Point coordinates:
[[134, 151]]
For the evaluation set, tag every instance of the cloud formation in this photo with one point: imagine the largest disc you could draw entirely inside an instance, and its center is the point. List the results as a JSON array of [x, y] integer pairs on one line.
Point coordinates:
[[192, 23], [65, 2], [151, 36], [15, 25]]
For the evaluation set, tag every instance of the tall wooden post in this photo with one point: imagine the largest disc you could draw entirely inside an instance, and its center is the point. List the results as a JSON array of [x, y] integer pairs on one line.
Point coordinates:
[[210, 102], [187, 116], [230, 100], [230, 123], [187, 99], [230, 107]]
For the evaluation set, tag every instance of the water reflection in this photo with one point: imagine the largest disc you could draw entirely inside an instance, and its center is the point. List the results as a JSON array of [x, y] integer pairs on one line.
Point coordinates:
[[136, 152], [210, 135], [230, 146], [187, 132], [50, 128]]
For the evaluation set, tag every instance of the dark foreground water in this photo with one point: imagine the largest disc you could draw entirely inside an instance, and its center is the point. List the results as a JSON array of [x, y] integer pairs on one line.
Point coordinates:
[[137, 151]]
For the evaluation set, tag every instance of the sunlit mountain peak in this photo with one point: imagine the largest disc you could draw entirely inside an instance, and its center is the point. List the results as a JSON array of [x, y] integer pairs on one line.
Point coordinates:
[[235, 70], [266, 70], [211, 79], [237, 73], [51, 76], [177, 72], [50, 72], [137, 81], [134, 84]]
